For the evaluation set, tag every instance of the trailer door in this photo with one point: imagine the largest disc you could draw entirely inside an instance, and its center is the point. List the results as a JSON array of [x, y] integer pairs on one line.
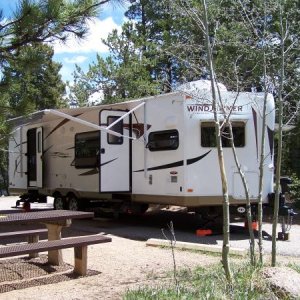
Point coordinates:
[[34, 157], [115, 153]]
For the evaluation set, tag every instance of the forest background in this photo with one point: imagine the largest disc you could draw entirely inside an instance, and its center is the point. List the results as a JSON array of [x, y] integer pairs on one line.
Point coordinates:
[[158, 48]]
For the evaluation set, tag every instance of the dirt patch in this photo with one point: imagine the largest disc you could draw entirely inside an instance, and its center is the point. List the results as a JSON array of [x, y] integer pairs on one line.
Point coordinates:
[[121, 265]]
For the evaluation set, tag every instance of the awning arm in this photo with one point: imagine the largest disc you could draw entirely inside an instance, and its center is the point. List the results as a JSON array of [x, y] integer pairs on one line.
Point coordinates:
[[125, 115], [83, 122]]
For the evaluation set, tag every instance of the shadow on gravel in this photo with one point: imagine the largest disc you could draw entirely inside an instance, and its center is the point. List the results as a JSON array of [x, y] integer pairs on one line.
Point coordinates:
[[150, 225], [20, 273]]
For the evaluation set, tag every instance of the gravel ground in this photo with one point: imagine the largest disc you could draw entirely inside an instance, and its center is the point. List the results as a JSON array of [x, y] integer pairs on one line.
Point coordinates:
[[128, 263], [122, 264]]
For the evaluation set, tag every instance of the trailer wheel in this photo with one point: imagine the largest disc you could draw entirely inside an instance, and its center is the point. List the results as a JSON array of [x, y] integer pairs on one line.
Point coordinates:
[[59, 202], [73, 203]]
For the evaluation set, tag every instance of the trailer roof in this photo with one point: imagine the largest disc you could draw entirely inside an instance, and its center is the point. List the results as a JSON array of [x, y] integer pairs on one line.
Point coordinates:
[[47, 115]]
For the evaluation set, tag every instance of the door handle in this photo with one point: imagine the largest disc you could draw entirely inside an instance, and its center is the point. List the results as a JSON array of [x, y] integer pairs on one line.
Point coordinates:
[[102, 150]]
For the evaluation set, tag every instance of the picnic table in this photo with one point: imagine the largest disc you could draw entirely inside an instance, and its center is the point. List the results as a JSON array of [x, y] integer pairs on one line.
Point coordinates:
[[54, 220]]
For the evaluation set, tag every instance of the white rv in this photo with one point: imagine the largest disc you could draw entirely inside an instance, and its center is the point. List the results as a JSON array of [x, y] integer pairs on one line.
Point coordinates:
[[156, 150]]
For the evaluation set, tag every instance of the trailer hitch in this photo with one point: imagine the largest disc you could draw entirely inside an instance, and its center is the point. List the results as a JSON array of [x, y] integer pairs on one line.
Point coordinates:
[[286, 215], [285, 212]]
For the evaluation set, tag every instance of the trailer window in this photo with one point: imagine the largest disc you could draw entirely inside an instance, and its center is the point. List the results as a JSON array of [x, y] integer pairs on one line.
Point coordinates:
[[163, 140], [87, 146], [118, 127], [208, 137]]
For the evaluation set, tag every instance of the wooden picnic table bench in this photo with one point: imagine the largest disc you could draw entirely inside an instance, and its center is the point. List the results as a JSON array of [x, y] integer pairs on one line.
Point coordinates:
[[79, 243], [54, 221], [27, 233], [32, 235]]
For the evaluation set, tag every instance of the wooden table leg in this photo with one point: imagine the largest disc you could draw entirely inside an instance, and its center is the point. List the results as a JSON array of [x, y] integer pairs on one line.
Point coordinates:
[[80, 256], [54, 233], [33, 239]]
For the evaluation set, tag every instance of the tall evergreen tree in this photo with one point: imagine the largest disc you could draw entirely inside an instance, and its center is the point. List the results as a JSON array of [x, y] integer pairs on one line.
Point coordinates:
[[24, 85], [36, 21], [125, 73], [31, 80], [141, 60]]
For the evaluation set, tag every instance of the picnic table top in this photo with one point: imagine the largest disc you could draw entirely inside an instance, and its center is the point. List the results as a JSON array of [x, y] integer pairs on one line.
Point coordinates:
[[44, 216]]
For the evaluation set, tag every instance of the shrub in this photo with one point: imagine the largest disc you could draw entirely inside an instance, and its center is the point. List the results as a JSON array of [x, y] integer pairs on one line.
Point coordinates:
[[294, 190]]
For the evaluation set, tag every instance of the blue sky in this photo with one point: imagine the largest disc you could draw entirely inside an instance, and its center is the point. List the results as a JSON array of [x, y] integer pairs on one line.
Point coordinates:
[[84, 52]]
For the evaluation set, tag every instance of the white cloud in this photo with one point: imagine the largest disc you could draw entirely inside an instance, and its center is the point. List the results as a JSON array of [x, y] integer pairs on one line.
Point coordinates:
[[66, 73], [96, 98], [98, 29], [75, 59]]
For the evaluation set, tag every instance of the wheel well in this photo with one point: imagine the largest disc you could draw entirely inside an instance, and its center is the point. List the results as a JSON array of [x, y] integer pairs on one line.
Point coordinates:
[[56, 194], [70, 195]]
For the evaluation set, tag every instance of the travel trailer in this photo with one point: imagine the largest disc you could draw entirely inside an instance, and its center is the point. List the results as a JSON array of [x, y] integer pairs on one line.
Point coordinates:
[[155, 150]]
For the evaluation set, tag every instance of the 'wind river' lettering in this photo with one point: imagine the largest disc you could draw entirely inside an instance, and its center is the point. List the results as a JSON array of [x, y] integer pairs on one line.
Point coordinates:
[[208, 108]]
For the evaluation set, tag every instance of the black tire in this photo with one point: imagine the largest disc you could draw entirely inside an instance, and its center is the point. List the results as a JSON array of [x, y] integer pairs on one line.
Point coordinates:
[[73, 203], [59, 202]]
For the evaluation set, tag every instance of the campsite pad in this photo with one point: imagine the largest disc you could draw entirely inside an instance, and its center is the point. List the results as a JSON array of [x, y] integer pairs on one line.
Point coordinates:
[[20, 273]]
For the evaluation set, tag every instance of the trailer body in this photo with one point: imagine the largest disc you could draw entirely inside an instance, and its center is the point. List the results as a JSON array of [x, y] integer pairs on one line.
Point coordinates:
[[155, 150]]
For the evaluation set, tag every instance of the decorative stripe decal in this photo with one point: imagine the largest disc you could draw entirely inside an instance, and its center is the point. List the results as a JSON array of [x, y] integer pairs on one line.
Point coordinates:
[[96, 171], [167, 166], [18, 145], [60, 124], [271, 140], [60, 154], [46, 150], [162, 167], [176, 164], [108, 162], [193, 160], [255, 129], [16, 168], [91, 172]]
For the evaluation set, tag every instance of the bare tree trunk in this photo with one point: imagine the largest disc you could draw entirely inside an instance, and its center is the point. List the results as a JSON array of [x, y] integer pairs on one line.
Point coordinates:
[[262, 149], [226, 215], [248, 203], [261, 168], [279, 149]]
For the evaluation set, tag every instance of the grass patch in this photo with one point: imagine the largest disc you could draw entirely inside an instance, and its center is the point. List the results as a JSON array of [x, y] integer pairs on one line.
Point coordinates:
[[210, 253], [209, 283], [198, 251], [295, 267]]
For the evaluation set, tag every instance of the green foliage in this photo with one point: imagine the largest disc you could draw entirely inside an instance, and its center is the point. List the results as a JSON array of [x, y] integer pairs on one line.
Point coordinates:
[[31, 80], [245, 30], [3, 170], [123, 74], [294, 266], [141, 61], [291, 153], [294, 190], [36, 21], [29, 77], [210, 283]]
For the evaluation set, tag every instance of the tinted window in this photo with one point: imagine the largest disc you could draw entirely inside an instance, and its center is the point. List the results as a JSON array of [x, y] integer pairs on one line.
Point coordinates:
[[208, 137], [118, 127], [86, 149], [163, 140]]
